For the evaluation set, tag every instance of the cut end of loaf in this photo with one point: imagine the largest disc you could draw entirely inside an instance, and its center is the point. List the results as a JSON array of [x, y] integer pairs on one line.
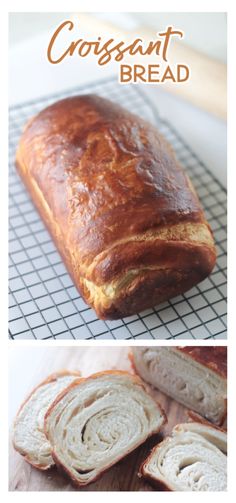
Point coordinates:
[[190, 375], [140, 289]]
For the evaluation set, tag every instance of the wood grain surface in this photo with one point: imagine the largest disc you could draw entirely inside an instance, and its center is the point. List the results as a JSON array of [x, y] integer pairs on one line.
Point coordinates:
[[121, 477]]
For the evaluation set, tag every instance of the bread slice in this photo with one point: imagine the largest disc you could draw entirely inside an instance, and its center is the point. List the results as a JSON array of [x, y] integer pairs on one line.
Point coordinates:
[[97, 421], [195, 376], [192, 459], [28, 432]]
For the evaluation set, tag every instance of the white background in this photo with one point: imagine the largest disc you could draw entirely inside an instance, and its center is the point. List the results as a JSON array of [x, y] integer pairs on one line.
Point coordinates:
[[32, 76]]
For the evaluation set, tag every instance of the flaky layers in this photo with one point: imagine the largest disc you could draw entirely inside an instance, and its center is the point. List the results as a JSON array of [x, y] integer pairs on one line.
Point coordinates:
[[121, 210], [28, 433], [99, 420], [192, 459], [194, 376]]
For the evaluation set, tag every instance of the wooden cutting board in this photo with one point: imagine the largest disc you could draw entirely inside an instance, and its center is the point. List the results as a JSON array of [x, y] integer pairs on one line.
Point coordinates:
[[122, 476]]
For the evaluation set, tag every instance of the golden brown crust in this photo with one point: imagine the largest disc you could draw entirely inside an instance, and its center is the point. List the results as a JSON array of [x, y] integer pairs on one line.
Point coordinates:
[[196, 418], [113, 196], [156, 484]]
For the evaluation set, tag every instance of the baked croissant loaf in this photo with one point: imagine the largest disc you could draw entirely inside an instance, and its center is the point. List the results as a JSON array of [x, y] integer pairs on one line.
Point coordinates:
[[120, 208], [28, 433], [192, 459], [194, 376], [97, 421]]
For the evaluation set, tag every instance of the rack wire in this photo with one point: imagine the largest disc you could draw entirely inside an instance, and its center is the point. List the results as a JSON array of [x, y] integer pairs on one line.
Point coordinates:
[[43, 302]]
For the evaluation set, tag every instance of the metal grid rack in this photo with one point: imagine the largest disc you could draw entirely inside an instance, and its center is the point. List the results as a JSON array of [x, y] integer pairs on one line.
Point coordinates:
[[44, 303]]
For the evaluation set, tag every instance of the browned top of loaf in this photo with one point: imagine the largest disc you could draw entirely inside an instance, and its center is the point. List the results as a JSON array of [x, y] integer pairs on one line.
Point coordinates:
[[213, 357], [105, 173]]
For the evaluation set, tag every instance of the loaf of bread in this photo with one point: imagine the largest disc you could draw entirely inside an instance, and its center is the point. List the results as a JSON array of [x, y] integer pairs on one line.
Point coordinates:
[[28, 432], [118, 205], [195, 376], [192, 459], [97, 421]]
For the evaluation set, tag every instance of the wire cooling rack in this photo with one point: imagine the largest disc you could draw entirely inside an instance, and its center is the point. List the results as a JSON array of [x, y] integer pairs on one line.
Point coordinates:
[[44, 303]]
